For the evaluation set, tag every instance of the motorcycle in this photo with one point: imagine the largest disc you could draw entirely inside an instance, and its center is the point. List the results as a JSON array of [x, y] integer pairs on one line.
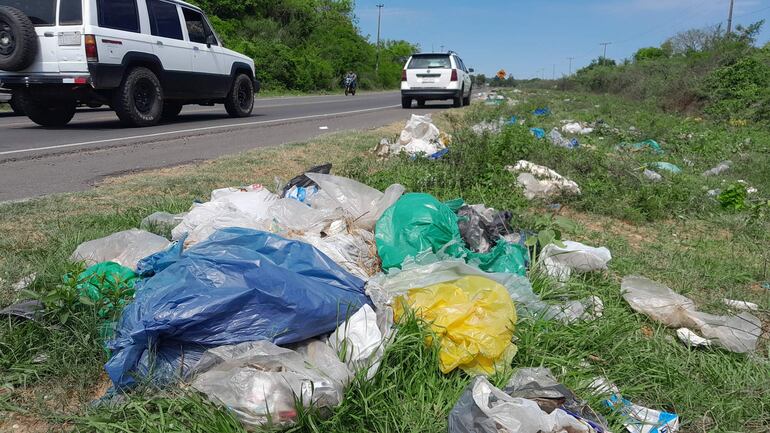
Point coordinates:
[[350, 87]]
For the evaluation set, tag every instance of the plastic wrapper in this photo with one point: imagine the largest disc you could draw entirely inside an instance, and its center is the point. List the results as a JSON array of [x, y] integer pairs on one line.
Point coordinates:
[[253, 200], [481, 227], [473, 317], [360, 341], [239, 285], [125, 248], [200, 214], [558, 140], [560, 261], [289, 214], [262, 383], [302, 181], [720, 168], [542, 182], [576, 128], [637, 419], [651, 175], [482, 408], [432, 269], [418, 223], [738, 333], [354, 251], [362, 203], [666, 166]]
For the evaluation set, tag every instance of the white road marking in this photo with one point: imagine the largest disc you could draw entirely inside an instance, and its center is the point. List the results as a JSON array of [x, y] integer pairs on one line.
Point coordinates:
[[193, 130]]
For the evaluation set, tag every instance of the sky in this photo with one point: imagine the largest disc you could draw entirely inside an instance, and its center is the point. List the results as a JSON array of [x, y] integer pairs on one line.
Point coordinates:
[[531, 38]]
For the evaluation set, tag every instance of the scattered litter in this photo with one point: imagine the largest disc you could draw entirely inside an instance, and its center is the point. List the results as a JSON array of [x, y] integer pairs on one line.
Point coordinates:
[[666, 166], [560, 261], [262, 383], [473, 318], [714, 192], [542, 111], [735, 333], [351, 249], [24, 282], [27, 310], [638, 419], [323, 128], [741, 305], [418, 223], [161, 220], [494, 99], [489, 127], [720, 168], [641, 146], [360, 341], [239, 285], [539, 133], [420, 136], [586, 310], [302, 181], [558, 140], [576, 128], [481, 227], [106, 283], [483, 408], [253, 200], [692, 339], [542, 182], [125, 248], [651, 175]]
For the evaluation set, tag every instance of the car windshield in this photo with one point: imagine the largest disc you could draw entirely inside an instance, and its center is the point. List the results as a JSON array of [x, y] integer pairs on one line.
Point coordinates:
[[430, 62], [40, 12]]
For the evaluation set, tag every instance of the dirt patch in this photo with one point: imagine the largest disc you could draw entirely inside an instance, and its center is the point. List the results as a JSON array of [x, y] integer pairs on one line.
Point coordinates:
[[635, 235], [16, 423]]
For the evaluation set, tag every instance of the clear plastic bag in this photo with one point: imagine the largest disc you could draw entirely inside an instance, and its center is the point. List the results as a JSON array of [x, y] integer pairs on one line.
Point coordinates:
[[560, 261], [125, 248], [360, 341]]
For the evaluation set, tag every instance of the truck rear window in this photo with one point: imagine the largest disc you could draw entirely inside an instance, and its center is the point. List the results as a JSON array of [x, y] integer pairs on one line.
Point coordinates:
[[430, 62], [40, 12]]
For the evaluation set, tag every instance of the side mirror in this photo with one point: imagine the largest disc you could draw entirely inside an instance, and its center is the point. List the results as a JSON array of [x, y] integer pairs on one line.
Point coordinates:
[[471, 70], [211, 40]]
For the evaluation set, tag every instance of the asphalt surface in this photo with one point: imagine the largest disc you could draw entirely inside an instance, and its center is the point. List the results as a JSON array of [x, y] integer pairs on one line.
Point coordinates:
[[36, 161]]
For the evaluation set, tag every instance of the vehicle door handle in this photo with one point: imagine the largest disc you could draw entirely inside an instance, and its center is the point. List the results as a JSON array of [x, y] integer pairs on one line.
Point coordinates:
[[48, 34], [160, 42]]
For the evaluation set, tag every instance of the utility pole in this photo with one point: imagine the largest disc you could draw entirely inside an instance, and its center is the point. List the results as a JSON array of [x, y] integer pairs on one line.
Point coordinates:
[[730, 18], [605, 48], [570, 64], [379, 21]]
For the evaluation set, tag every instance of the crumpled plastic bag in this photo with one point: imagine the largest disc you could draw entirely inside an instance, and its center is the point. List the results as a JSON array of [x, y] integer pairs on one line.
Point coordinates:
[[105, 282], [720, 168], [302, 181], [473, 317], [560, 261], [239, 285], [576, 128], [420, 135], [481, 227], [738, 333], [125, 248], [483, 408], [290, 215], [261, 383], [253, 200], [418, 223], [491, 127], [163, 220], [637, 419], [558, 140], [542, 182], [362, 203], [360, 341], [354, 250]]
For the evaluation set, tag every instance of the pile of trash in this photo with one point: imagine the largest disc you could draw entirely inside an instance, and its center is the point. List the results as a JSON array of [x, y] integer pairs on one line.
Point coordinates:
[[419, 137], [542, 182]]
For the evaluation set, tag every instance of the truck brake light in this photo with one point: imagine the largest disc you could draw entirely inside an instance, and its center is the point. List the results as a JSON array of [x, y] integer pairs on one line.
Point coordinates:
[[92, 54], [454, 74]]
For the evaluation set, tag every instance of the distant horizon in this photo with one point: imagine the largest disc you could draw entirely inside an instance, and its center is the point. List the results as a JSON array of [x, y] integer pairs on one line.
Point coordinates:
[[535, 38]]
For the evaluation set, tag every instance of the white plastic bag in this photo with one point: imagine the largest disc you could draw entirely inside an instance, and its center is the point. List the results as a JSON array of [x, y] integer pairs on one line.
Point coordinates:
[[354, 251], [542, 182], [202, 231], [200, 213], [360, 342], [362, 203], [254, 200], [559, 262], [738, 333], [420, 135], [125, 248], [291, 215], [576, 128], [260, 382]]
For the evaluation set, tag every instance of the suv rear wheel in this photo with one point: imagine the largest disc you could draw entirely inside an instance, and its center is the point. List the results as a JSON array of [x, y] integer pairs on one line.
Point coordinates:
[[240, 100], [45, 113], [16, 106], [457, 101], [406, 102], [467, 99], [139, 100], [171, 110]]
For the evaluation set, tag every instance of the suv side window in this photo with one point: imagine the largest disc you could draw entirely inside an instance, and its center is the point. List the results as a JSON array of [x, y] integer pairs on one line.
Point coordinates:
[[197, 27], [118, 15], [70, 12], [164, 19]]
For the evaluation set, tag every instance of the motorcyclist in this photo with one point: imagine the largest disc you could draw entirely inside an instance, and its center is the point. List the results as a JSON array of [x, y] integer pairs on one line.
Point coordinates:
[[351, 79]]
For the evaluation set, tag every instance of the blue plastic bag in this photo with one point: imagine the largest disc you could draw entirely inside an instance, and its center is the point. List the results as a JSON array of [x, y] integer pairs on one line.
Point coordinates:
[[542, 111], [539, 133], [239, 285]]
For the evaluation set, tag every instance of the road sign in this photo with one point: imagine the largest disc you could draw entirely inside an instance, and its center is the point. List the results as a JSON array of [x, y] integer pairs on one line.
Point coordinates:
[[501, 74]]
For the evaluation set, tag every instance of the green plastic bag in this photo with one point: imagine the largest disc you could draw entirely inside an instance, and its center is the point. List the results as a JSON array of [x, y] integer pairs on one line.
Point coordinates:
[[418, 223], [108, 285]]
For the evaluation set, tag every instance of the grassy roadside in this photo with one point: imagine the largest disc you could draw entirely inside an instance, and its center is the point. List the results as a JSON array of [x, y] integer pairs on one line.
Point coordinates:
[[668, 231]]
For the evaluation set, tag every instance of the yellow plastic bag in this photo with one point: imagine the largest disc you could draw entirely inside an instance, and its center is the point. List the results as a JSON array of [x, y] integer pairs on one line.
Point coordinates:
[[474, 318]]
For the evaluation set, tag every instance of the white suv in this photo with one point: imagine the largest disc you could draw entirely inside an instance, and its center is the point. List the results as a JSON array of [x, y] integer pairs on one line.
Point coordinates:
[[435, 76], [144, 58]]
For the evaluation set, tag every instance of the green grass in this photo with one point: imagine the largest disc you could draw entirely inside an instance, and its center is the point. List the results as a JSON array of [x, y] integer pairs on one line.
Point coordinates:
[[670, 231]]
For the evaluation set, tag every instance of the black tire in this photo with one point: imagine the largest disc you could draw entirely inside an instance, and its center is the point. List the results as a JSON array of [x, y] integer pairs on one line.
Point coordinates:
[[421, 103], [457, 101], [171, 110], [240, 100], [16, 106], [139, 99], [18, 40], [406, 102], [467, 99], [46, 113]]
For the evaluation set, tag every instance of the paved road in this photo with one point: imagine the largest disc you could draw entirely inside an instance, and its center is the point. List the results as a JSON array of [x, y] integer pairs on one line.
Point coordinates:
[[37, 161]]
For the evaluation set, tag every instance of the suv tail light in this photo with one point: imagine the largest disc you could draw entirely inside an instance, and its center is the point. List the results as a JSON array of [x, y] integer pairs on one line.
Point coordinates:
[[454, 75], [403, 75], [92, 54]]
